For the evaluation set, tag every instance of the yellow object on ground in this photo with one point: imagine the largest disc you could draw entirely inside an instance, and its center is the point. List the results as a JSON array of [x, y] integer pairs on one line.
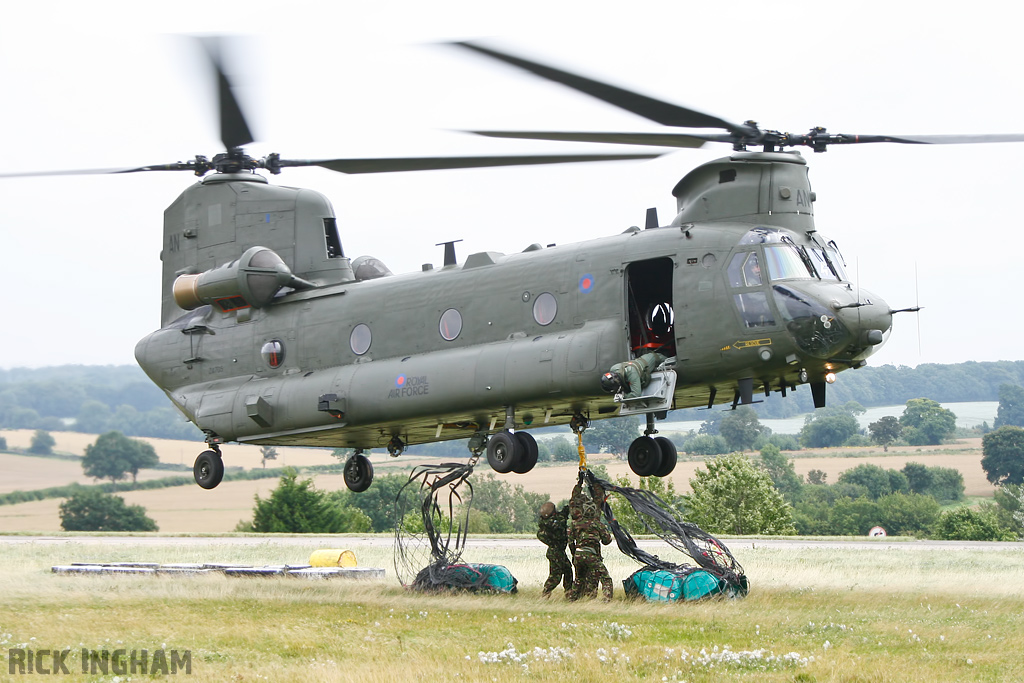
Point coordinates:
[[333, 558]]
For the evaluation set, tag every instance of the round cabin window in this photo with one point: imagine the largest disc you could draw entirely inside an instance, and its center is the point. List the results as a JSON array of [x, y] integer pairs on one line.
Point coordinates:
[[544, 308], [451, 324], [360, 339], [273, 353]]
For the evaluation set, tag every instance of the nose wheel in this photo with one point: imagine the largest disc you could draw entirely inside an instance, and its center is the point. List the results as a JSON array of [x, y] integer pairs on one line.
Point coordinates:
[[358, 472], [208, 469]]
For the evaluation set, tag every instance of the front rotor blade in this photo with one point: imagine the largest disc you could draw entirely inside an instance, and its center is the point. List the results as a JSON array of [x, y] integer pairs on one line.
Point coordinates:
[[930, 139], [234, 131], [650, 108], [651, 139], [438, 163]]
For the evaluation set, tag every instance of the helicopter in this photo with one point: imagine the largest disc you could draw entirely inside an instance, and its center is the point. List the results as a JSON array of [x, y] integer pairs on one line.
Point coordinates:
[[271, 335]]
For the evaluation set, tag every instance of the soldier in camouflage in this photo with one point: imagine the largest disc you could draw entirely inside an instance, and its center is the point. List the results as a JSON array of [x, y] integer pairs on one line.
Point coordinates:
[[587, 533], [553, 532]]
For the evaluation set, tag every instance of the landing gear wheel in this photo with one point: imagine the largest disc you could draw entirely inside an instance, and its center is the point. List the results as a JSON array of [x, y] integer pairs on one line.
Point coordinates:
[[502, 452], [527, 453], [208, 469], [644, 456], [358, 473], [668, 456]]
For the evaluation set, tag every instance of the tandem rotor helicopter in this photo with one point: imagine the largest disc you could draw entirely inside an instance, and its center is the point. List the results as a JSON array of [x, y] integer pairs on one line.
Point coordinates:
[[271, 335]]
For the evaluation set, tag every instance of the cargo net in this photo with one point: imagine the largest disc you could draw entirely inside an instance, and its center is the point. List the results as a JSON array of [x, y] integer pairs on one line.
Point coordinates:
[[430, 535], [658, 518]]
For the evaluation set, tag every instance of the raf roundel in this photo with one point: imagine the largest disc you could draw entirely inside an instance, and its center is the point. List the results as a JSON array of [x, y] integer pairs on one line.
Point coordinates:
[[400, 381], [586, 283]]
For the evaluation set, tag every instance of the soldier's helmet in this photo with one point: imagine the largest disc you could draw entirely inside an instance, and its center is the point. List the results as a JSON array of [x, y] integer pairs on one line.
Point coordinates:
[[589, 510], [611, 382], [659, 319], [547, 509]]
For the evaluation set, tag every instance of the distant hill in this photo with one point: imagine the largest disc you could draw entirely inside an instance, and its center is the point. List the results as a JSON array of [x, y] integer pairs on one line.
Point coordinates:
[[890, 385], [90, 398]]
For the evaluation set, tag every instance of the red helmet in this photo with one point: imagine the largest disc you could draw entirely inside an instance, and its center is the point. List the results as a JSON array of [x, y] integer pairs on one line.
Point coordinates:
[[611, 382]]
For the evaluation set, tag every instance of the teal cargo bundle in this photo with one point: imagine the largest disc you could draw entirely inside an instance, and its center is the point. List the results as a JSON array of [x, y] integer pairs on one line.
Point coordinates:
[[661, 585], [480, 577]]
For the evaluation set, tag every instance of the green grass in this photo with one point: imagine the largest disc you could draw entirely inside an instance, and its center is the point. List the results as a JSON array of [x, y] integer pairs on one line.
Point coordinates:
[[847, 614]]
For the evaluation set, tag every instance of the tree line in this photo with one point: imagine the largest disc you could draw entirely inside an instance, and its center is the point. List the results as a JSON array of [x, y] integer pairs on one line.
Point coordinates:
[[735, 494], [90, 399], [97, 399], [890, 385]]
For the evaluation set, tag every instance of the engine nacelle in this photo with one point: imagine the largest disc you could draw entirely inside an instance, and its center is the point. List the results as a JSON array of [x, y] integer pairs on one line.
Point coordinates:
[[252, 280]]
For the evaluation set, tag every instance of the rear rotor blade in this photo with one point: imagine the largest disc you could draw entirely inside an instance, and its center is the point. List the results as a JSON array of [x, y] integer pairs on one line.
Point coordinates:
[[177, 166], [681, 140], [656, 110], [437, 163]]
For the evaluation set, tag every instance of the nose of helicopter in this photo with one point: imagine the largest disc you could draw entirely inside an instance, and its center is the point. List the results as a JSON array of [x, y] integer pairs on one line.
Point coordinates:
[[870, 319]]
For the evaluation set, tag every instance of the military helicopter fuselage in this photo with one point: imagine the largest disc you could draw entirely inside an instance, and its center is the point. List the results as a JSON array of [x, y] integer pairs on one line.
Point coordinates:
[[271, 335]]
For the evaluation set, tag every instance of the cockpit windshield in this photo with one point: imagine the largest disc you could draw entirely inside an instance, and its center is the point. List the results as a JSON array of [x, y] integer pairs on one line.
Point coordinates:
[[785, 262], [823, 264], [836, 257], [837, 264]]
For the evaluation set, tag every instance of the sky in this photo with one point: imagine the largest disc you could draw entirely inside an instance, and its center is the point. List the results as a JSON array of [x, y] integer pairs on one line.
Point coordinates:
[[111, 84]]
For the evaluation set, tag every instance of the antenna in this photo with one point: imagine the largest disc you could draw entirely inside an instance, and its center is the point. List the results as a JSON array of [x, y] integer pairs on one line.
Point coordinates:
[[652, 218], [858, 293], [917, 305], [449, 252]]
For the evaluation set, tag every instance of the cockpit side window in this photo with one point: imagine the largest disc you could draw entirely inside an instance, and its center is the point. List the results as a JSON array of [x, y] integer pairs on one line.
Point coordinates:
[[752, 271], [754, 309], [745, 270]]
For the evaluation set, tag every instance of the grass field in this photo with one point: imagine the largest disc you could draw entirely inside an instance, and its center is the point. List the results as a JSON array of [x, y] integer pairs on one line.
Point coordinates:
[[870, 612]]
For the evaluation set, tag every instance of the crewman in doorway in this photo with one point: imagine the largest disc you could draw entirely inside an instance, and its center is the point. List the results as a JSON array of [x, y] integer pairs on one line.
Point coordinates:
[[631, 376]]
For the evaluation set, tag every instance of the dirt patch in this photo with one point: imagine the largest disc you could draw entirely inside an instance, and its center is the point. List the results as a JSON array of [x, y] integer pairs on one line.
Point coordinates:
[[971, 444], [182, 452], [27, 473], [969, 466]]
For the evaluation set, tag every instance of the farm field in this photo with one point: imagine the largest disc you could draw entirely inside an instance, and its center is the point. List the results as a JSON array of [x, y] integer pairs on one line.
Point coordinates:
[[192, 509], [867, 611]]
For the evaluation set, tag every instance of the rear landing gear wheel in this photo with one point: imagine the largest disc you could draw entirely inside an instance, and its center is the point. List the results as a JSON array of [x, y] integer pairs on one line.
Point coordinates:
[[502, 452], [644, 456], [358, 473], [527, 453], [208, 469], [668, 456]]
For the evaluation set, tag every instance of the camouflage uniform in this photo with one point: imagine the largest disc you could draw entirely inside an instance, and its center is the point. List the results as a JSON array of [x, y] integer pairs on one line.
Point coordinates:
[[552, 531], [588, 534], [636, 373]]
